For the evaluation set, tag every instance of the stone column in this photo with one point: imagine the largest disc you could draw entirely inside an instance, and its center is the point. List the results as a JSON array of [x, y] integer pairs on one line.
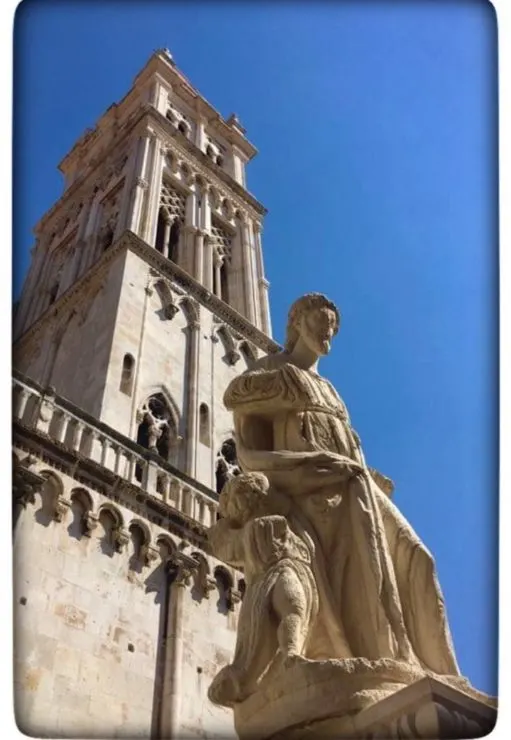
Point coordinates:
[[206, 209], [217, 283], [192, 404], [125, 214], [208, 263], [248, 276], [166, 238], [199, 256], [254, 272], [263, 284], [179, 577], [139, 185], [152, 203]]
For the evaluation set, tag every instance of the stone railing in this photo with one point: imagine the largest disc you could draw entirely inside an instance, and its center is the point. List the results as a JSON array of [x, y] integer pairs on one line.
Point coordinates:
[[65, 424]]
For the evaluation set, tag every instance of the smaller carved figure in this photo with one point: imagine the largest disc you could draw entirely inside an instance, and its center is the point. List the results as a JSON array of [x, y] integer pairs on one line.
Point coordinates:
[[280, 601]]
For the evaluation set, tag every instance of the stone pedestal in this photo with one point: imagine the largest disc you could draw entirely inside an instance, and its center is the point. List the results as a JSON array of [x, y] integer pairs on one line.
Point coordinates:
[[363, 699]]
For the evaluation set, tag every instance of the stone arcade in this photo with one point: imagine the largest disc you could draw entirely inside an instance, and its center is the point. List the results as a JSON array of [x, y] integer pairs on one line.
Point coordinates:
[[145, 303]]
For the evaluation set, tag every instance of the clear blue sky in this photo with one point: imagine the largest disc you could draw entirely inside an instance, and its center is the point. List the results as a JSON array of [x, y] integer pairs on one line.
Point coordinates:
[[376, 127]]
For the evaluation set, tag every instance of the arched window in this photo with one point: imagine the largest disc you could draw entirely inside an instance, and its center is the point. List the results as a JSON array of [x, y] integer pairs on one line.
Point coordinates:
[[210, 151], [128, 373], [226, 464], [183, 128], [173, 240], [204, 434], [220, 161], [170, 117], [160, 231]]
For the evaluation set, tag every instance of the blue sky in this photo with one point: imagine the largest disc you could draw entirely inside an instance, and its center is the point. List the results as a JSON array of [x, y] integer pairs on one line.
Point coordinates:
[[376, 129]]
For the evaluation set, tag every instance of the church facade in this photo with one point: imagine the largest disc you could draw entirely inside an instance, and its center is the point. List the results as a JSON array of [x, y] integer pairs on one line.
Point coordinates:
[[145, 296]]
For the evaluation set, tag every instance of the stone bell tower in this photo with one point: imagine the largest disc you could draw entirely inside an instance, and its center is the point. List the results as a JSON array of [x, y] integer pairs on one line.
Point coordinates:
[[146, 291], [145, 296]]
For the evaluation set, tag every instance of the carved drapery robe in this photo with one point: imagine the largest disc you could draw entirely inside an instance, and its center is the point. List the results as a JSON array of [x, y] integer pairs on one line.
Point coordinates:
[[378, 592], [267, 549]]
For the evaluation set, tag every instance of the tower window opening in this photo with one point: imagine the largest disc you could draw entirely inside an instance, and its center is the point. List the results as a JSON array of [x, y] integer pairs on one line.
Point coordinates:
[[224, 288], [204, 431], [128, 367], [160, 232], [173, 241]]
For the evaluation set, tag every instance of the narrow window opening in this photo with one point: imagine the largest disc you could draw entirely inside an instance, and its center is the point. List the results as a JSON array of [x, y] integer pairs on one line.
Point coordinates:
[[204, 432], [160, 232], [224, 290], [128, 367], [174, 241]]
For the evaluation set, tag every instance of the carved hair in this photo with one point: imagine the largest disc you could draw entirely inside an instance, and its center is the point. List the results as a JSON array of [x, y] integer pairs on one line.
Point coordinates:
[[307, 302], [242, 496]]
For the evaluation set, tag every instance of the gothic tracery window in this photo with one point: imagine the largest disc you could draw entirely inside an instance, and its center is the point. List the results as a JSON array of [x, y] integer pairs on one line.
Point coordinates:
[[171, 217], [221, 244], [156, 430]]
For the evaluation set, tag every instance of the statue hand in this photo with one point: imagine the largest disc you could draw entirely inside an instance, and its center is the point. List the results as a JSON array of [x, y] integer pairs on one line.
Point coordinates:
[[341, 468]]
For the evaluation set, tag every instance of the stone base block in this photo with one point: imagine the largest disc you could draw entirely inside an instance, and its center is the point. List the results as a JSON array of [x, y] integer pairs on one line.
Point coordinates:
[[365, 699]]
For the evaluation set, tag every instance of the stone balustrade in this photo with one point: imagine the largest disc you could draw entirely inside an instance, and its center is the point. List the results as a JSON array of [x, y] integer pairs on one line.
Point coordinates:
[[59, 420]]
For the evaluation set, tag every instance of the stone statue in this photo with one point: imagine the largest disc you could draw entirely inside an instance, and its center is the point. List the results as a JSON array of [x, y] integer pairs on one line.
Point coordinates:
[[279, 585], [379, 622]]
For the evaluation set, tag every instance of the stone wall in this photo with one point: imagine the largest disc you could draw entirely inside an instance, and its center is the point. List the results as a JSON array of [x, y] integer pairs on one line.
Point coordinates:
[[90, 597]]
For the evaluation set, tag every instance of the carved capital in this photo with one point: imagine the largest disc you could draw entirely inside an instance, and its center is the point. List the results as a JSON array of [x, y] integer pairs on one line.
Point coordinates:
[[90, 523], [208, 586], [232, 356], [121, 538], [170, 310], [182, 568], [149, 554], [24, 493], [62, 506]]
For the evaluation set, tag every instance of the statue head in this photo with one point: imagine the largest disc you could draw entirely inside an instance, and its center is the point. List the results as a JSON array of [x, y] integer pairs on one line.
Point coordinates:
[[315, 319], [244, 497]]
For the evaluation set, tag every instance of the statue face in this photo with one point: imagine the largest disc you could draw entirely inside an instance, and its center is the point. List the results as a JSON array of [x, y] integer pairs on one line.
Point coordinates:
[[317, 329]]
